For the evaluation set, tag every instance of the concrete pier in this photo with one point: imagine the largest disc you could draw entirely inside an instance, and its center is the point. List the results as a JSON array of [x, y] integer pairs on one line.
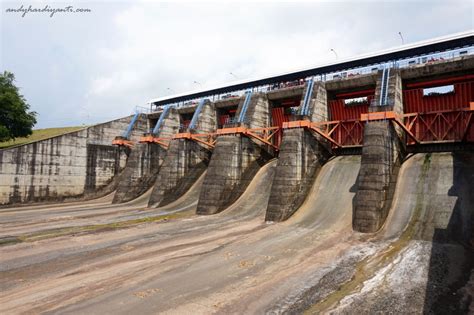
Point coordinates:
[[302, 154], [235, 160], [185, 161], [382, 155], [144, 162]]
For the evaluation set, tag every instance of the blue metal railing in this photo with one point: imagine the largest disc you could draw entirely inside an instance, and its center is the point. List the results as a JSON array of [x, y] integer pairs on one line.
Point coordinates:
[[160, 120], [243, 112], [384, 85], [194, 120], [128, 131], [387, 81], [307, 97]]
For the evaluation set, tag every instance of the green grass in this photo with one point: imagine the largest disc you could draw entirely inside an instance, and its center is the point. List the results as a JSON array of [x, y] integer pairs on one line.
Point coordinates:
[[39, 134]]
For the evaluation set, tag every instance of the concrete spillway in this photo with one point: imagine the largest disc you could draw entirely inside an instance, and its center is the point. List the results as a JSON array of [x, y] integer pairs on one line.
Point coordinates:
[[41, 219], [253, 201], [431, 261], [330, 199]]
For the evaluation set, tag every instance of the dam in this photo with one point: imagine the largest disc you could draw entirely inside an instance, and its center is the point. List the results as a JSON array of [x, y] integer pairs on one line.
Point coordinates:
[[339, 188]]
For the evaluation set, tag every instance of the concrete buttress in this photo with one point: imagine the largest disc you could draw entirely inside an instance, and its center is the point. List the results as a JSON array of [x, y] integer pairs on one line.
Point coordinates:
[[301, 156], [185, 161], [144, 162], [235, 160], [382, 154]]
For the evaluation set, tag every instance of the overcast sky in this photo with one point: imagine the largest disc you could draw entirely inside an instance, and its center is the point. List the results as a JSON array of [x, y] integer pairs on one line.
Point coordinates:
[[82, 68]]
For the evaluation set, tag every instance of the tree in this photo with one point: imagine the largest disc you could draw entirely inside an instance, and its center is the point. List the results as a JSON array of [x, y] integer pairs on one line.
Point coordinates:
[[15, 118]]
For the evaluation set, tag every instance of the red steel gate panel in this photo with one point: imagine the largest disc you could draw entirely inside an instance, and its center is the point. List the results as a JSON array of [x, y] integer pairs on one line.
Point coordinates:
[[349, 131], [223, 120], [339, 111], [278, 118], [415, 102]]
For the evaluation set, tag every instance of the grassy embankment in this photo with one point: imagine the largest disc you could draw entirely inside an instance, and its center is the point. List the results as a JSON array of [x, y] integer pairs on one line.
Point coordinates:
[[39, 134]]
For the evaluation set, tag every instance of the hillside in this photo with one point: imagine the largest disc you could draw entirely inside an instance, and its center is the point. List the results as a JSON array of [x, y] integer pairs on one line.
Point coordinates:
[[39, 134]]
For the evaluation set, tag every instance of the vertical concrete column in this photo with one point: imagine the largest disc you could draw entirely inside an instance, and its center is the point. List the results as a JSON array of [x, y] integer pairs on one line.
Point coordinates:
[[258, 112], [318, 106], [144, 162], [382, 154], [207, 120], [235, 161], [301, 156], [185, 161]]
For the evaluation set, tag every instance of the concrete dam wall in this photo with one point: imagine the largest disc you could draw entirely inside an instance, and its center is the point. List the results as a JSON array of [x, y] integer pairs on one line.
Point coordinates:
[[84, 164], [78, 165]]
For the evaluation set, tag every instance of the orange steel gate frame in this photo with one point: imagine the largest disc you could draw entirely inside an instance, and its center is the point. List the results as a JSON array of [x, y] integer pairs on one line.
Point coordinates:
[[208, 139], [264, 135], [338, 132], [164, 142], [430, 127], [439, 126], [122, 142]]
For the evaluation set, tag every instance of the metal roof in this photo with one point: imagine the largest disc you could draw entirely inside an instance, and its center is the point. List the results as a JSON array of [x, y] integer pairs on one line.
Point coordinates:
[[438, 44]]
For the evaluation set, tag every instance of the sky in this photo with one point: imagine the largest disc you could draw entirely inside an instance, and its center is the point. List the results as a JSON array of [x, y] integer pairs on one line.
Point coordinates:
[[89, 67]]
